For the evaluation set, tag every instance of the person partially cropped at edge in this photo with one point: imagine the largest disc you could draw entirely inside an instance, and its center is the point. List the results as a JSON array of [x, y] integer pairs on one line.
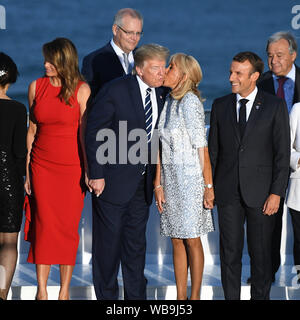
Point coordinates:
[[13, 127], [116, 58]]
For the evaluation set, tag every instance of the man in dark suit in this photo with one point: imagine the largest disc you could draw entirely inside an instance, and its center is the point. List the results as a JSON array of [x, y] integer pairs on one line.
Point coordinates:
[[125, 111], [115, 59], [283, 80], [249, 146]]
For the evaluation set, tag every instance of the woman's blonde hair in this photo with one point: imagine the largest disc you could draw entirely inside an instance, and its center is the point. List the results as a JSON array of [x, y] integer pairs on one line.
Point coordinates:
[[191, 69], [62, 53]]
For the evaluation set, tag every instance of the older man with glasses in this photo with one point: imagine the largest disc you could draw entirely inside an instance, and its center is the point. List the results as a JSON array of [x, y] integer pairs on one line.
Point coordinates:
[[115, 59]]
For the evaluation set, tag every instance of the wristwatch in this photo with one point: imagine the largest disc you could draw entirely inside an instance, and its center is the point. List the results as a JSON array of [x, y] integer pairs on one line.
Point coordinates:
[[208, 186]]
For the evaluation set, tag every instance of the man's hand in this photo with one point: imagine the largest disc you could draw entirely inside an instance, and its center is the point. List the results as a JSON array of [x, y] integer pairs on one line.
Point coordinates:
[[97, 185], [271, 205]]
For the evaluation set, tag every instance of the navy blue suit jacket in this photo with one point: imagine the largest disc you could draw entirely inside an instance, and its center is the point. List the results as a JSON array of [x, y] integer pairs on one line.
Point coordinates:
[[266, 83], [100, 67], [119, 100], [257, 163]]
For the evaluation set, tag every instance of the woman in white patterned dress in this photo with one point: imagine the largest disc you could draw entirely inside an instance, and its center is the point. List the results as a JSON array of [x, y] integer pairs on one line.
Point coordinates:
[[183, 183]]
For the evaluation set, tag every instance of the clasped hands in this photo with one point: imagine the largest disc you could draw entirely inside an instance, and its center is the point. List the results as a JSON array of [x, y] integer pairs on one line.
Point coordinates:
[[208, 198]]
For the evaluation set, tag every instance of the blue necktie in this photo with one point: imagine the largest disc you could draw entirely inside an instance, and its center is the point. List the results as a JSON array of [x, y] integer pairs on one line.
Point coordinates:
[[148, 114]]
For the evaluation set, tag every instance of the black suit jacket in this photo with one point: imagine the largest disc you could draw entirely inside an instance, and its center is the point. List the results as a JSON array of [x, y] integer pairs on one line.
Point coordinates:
[[258, 163], [120, 100], [266, 83], [100, 67]]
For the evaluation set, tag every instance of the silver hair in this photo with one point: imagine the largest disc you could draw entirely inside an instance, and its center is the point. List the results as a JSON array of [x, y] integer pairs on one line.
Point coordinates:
[[118, 19], [284, 35]]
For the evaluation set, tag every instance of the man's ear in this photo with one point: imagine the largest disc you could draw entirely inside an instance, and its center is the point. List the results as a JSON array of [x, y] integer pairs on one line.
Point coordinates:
[[294, 56], [139, 71], [255, 76], [114, 29]]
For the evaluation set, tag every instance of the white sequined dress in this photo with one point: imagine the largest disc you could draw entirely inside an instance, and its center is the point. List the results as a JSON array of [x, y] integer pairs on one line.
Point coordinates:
[[182, 131]]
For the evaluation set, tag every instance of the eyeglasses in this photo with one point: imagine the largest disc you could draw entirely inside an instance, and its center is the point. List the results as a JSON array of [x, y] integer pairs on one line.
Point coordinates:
[[131, 33]]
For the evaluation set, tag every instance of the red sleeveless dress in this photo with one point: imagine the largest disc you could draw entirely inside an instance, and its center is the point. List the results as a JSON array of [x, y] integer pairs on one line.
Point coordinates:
[[56, 178]]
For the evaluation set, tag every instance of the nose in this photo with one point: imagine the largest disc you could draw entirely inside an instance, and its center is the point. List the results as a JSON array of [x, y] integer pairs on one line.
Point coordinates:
[[231, 77], [274, 59], [162, 71]]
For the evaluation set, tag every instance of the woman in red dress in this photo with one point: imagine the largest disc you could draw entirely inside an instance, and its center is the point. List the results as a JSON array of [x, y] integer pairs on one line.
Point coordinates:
[[56, 164]]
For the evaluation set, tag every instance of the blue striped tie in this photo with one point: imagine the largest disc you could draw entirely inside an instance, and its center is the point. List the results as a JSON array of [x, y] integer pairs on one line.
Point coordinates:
[[148, 113]]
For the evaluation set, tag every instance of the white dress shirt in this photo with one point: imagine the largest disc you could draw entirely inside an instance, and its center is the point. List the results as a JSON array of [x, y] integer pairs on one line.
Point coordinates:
[[288, 87], [143, 87], [119, 52], [251, 97], [293, 196]]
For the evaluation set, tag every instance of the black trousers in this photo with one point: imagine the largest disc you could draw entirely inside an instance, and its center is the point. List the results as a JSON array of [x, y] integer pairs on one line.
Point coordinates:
[[119, 236], [259, 235], [295, 215], [276, 238]]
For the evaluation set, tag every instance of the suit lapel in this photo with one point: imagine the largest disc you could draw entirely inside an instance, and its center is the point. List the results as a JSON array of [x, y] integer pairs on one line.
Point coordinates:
[[233, 116], [269, 85], [116, 63], [254, 114], [160, 100]]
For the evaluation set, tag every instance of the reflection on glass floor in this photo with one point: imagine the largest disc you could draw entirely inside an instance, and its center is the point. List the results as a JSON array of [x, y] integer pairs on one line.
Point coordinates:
[[161, 283]]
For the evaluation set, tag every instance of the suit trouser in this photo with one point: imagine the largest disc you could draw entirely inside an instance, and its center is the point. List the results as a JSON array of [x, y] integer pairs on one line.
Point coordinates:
[[259, 235], [276, 238], [295, 215], [119, 237]]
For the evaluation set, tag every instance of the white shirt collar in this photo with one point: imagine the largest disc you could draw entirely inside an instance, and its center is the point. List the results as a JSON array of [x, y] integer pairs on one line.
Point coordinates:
[[290, 75], [117, 49], [142, 84], [250, 97]]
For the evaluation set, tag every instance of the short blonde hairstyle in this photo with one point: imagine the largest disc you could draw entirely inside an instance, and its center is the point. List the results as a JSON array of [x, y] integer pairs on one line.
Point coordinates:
[[190, 67], [148, 52]]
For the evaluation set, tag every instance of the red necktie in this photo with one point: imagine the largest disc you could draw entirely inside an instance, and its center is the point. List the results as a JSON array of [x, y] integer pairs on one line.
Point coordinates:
[[280, 91]]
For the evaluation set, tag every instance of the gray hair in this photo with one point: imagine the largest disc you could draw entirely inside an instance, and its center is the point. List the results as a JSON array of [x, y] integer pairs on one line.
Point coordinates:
[[286, 36], [148, 52], [118, 19]]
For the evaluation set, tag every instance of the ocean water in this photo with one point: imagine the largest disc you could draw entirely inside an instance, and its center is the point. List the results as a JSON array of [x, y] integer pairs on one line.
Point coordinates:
[[212, 31]]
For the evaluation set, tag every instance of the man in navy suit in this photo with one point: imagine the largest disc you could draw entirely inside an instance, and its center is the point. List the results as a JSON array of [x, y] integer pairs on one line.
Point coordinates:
[[119, 144], [249, 147], [282, 52], [115, 59]]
